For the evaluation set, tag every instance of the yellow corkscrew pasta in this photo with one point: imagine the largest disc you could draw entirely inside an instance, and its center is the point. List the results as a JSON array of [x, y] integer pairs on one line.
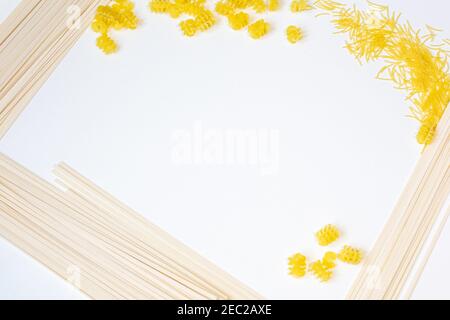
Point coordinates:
[[327, 235], [238, 21], [297, 265], [259, 6], [273, 5], [188, 27], [258, 29], [300, 5], [224, 9], [159, 6], [329, 260], [350, 255], [175, 10], [294, 34], [205, 20], [320, 271], [240, 4], [106, 44]]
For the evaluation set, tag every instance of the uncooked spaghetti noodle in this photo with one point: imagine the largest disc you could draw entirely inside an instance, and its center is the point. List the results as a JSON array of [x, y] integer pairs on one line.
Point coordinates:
[[117, 254], [33, 40], [389, 265]]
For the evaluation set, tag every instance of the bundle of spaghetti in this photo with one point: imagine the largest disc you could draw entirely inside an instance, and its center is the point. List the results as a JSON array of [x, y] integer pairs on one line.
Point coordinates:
[[391, 264], [414, 61], [33, 40], [117, 253]]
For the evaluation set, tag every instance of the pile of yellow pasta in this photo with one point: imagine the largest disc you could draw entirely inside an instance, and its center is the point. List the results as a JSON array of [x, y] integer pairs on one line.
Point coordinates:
[[323, 269], [118, 15], [415, 62]]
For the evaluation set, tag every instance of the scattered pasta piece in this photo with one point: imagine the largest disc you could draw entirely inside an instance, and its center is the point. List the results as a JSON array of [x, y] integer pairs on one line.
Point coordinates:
[[205, 20], [119, 15], [294, 34], [175, 10], [159, 6], [297, 265], [259, 6], [258, 29], [238, 21], [188, 27], [320, 271], [240, 4], [329, 260], [426, 132], [224, 9], [300, 5], [273, 5], [350, 255], [327, 235], [106, 44]]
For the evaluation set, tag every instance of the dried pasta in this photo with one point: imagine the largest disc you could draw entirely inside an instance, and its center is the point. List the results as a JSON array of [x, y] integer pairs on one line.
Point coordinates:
[[327, 235], [350, 255], [258, 29], [294, 34], [297, 265]]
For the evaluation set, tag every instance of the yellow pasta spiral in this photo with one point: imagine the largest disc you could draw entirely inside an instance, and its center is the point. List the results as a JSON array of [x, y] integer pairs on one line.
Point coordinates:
[[258, 29], [320, 271], [175, 10], [240, 4], [350, 255], [329, 260], [205, 20], [300, 5], [426, 132], [159, 6], [294, 34], [327, 235], [224, 8], [106, 44], [297, 265], [188, 27], [259, 6], [238, 21], [273, 5]]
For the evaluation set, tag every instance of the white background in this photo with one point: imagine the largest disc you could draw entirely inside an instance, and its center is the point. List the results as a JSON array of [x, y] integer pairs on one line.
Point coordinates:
[[345, 151]]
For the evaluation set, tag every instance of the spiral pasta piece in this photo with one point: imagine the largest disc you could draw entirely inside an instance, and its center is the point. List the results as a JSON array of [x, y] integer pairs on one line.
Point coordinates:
[[350, 255], [159, 6], [273, 5], [329, 260], [294, 34], [224, 9], [240, 4], [297, 265], [300, 5], [327, 235], [320, 271], [205, 20], [238, 21], [188, 27], [258, 29], [426, 131], [259, 6], [106, 44]]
